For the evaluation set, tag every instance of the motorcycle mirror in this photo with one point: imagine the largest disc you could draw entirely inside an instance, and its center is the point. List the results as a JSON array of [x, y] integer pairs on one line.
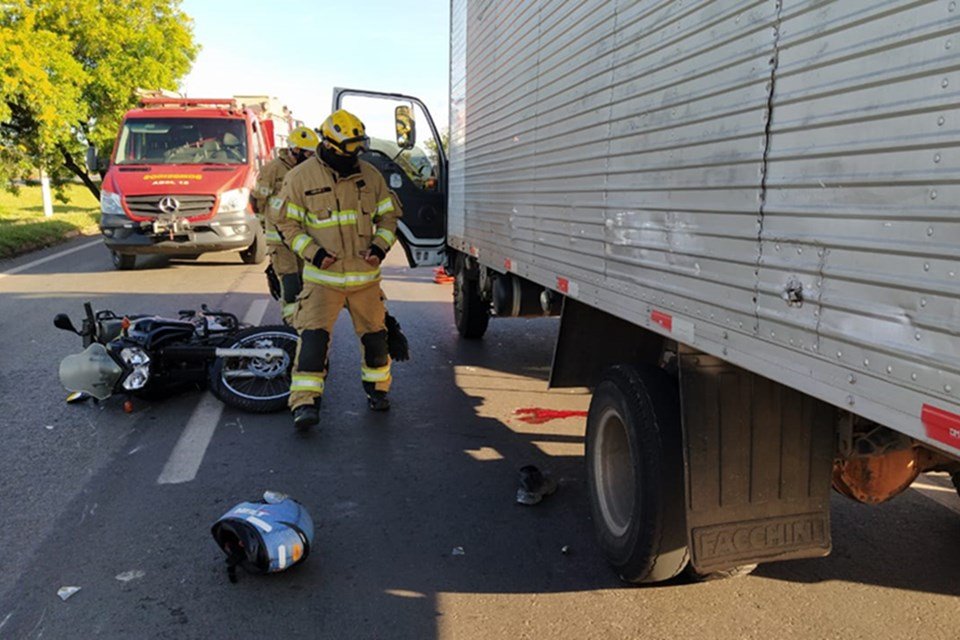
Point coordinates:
[[62, 321]]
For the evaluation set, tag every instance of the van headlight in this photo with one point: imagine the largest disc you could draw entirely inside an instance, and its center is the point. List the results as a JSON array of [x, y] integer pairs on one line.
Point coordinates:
[[234, 200], [110, 203], [138, 360]]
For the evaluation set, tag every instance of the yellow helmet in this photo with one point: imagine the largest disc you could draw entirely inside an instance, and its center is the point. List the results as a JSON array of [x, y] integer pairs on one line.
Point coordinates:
[[303, 138], [344, 133]]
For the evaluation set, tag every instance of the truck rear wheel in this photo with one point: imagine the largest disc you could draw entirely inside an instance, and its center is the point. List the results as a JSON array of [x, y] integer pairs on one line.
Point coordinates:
[[634, 461], [256, 252], [123, 261], [470, 312]]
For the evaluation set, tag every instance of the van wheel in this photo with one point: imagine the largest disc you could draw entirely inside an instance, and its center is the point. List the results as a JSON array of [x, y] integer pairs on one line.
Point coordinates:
[[256, 252], [470, 312], [635, 473], [123, 261]]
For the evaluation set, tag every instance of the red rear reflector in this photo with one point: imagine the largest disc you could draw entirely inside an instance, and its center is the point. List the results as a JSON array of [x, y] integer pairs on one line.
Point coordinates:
[[941, 425], [662, 319], [563, 285]]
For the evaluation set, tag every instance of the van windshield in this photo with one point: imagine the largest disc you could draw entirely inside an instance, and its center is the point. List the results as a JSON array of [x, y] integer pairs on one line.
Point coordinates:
[[182, 141]]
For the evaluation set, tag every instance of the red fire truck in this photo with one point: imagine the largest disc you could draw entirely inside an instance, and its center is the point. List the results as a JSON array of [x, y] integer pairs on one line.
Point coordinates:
[[179, 180]]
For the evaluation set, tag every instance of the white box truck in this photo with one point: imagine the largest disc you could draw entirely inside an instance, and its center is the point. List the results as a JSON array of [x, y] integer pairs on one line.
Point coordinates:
[[746, 212]]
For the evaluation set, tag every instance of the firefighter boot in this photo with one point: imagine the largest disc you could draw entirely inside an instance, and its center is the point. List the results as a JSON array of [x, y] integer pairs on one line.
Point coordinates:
[[378, 401], [306, 416]]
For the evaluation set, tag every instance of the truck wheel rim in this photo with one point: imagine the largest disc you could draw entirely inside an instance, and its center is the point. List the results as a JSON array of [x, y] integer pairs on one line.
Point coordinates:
[[615, 478]]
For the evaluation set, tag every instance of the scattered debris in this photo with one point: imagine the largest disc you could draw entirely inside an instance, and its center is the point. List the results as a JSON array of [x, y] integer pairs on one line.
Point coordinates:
[[534, 485], [458, 551], [539, 415], [565, 549], [127, 576], [49, 427], [66, 592], [440, 276], [128, 406]]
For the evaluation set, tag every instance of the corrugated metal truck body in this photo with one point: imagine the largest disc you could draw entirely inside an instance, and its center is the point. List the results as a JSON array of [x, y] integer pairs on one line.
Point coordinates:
[[704, 162], [745, 212]]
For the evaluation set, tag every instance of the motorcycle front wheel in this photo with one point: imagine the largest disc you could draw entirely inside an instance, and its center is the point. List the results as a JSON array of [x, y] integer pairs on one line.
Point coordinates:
[[256, 385]]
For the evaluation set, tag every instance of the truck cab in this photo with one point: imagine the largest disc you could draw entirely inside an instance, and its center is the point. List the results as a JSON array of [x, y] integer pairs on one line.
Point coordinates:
[[179, 180]]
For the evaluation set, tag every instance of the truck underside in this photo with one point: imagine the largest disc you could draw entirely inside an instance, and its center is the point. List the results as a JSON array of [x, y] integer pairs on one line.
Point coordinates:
[[696, 465]]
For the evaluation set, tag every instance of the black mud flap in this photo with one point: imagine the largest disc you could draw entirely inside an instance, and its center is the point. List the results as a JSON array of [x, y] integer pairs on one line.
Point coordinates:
[[758, 459]]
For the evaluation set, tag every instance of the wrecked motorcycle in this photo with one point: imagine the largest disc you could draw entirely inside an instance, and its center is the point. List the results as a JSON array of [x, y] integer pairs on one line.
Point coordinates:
[[246, 367]]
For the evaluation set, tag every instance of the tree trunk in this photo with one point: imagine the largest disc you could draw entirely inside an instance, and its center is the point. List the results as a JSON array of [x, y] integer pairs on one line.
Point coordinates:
[[79, 172]]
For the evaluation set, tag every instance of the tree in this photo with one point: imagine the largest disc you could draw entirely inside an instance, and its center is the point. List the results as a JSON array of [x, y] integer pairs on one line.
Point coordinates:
[[431, 146], [71, 69]]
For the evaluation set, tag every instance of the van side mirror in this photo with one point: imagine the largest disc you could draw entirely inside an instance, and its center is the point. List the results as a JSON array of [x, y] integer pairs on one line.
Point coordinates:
[[406, 127], [95, 163], [92, 160]]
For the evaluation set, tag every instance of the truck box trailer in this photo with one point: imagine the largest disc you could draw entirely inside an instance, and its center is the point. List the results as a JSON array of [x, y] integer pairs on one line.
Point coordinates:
[[746, 214]]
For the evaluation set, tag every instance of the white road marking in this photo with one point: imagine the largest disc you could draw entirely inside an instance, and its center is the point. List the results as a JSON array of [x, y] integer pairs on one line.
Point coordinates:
[[938, 488], [51, 257], [184, 461], [187, 455], [257, 309]]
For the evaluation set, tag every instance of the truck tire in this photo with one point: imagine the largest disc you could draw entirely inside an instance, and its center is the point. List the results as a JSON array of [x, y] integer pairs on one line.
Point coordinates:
[[470, 312], [635, 476], [123, 261], [256, 252]]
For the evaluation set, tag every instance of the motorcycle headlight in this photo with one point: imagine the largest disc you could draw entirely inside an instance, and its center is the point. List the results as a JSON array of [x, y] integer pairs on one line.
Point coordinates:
[[139, 361], [234, 200], [110, 203]]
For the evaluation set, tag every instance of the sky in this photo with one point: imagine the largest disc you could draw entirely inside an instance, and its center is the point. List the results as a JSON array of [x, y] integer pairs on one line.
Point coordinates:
[[298, 50]]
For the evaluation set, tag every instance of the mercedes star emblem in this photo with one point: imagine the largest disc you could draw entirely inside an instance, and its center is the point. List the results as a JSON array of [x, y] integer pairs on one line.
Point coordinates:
[[168, 204]]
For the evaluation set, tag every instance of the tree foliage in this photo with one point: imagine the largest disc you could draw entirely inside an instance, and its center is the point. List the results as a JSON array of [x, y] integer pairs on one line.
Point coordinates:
[[70, 69]]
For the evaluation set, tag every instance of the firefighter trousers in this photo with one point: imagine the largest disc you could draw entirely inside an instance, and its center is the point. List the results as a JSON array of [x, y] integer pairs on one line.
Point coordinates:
[[317, 312], [287, 266]]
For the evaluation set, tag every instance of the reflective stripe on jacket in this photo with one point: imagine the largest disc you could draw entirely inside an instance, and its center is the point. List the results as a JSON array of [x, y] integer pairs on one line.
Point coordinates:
[[344, 216]]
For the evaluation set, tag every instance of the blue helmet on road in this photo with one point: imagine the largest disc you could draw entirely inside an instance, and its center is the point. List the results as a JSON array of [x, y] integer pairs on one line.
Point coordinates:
[[266, 536]]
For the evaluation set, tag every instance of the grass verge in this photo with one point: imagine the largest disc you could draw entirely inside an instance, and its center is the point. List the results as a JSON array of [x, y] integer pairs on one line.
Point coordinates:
[[23, 227]]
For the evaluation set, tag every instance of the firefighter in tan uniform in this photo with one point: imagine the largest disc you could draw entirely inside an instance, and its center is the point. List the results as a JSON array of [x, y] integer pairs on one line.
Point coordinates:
[[338, 215], [284, 263]]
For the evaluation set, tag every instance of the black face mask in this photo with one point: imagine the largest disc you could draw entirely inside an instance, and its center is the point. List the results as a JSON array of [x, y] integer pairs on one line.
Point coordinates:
[[343, 165], [299, 155]]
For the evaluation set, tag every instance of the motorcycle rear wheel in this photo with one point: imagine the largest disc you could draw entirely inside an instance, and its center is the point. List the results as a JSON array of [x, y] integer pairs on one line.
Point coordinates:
[[253, 384]]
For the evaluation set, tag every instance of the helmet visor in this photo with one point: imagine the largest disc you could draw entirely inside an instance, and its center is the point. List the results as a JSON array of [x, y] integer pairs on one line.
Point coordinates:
[[354, 146]]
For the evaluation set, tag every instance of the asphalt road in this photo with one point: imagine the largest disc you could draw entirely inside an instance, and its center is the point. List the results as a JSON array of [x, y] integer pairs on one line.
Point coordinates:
[[393, 495]]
